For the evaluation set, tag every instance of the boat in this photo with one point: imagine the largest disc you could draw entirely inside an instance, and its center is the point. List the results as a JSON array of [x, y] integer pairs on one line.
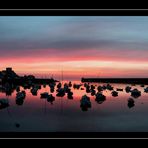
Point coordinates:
[[51, 90], [93, 92], [59, 85], [70, 84], [61, 92], [44, 95], [135, 93], [114, 93], [104, 87], [66, 87], [92, 87], [100, 98], [99, 88], [146, 89], [34, 91], [109, 87], [119, 89], [127, 89], [77, 86]]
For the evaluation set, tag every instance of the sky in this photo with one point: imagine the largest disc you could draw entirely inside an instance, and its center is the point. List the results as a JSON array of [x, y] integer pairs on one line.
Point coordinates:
[[80, 46]]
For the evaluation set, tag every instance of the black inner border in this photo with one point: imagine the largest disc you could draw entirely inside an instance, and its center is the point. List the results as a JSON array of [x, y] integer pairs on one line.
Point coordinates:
[[74, 12]]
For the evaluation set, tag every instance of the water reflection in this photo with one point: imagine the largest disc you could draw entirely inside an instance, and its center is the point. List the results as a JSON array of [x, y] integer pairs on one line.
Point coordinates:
[[72, 108], [20, 96], [100, 98], [50, 98], [131, 103], [84, 91], [4, 103], [85, 103]]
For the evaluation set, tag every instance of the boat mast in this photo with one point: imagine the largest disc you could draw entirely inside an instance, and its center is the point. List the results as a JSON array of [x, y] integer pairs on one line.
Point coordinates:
[[62, 76]]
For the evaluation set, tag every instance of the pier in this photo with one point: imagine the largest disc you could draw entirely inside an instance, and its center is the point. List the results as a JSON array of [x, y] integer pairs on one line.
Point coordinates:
[[117, 80]]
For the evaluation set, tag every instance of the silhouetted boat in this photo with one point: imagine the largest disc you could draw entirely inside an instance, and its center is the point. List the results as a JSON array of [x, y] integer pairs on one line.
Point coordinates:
[[99, 88], [92, 87], [93, 92], [77, 86], [66, 87], [114, 93], [127, 89], [59, 85], [52, 86], [135, 93], [70, 84], [85, 84], [34, 91], [119, 89], [109, 87], [100, 98], [44, 95], [104, 87], [146, 89], [61, 92]]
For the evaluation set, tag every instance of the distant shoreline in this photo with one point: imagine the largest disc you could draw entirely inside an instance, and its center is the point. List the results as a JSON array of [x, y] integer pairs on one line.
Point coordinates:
[[117, 80], [35, 81]]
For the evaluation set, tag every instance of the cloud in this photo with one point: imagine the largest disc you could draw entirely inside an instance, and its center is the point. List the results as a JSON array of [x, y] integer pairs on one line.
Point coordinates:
[[21, 33]]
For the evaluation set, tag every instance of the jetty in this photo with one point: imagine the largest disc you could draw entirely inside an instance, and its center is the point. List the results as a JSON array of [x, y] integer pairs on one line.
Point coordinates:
[[117, 80]]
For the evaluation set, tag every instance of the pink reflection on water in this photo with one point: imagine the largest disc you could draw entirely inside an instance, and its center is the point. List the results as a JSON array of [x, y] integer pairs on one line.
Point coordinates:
[[37, 114]]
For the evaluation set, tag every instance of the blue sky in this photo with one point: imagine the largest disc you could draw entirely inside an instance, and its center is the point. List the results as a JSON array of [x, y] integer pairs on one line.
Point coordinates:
[[115, 32]]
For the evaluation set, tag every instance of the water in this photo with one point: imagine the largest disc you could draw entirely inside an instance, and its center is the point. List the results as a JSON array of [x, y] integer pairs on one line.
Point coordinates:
[[65, 115]]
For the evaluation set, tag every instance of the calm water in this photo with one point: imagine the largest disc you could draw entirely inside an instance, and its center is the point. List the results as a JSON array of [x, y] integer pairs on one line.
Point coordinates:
[[65, 115]]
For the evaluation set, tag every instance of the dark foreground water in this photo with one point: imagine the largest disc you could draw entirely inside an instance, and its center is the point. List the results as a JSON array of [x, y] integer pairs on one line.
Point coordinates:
[[65, 115]]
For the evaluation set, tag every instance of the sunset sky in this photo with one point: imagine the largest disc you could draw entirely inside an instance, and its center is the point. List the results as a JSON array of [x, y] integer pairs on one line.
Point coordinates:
[[81, 46]]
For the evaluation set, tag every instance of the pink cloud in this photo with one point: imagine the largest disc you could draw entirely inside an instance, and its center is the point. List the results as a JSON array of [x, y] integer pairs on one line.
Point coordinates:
[[47, 55]]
